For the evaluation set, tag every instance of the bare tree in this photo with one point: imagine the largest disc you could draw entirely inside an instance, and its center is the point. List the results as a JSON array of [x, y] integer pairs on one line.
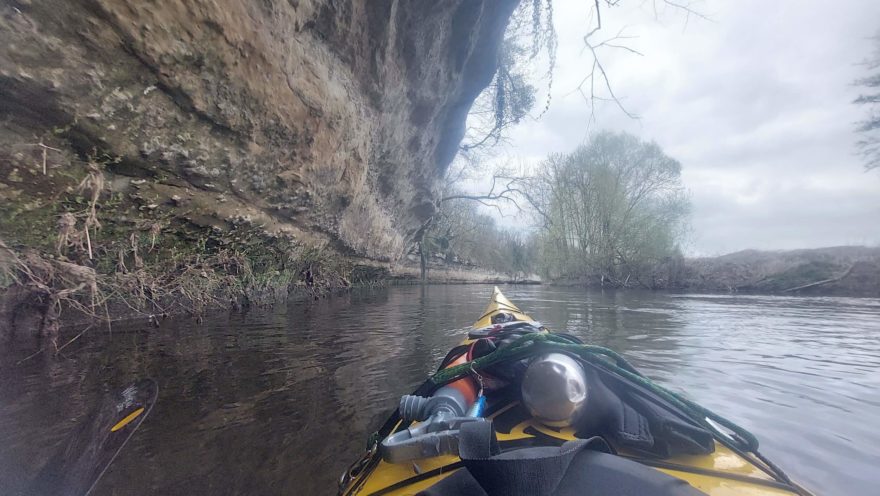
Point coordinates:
[[869, 144], [460, 235], [510, 98], [459, 230]]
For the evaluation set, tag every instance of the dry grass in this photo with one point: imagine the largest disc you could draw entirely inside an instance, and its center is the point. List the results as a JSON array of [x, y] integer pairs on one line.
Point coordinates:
[[88, 254], [58, 285], [146, 267], [92, 184]]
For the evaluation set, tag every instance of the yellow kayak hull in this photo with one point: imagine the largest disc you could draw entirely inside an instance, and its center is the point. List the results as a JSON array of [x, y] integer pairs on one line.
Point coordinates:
[[722, 473]]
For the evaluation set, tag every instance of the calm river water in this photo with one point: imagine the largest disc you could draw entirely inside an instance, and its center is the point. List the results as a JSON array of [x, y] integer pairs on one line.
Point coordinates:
[[279, 401]]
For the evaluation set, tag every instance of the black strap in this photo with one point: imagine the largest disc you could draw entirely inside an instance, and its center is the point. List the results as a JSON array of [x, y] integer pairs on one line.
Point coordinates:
[[536, 471], [632, 427], [477, 442], [572, 469]]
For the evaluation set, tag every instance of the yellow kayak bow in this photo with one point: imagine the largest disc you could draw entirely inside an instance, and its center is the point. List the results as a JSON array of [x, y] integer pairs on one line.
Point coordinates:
[[727, 471]]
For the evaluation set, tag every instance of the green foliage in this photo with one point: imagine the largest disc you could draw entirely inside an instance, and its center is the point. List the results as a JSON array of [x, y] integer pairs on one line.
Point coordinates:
[[615, 209]]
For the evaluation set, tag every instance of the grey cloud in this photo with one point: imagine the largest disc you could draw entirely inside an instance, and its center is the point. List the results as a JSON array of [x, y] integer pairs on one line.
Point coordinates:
[[757, 107]]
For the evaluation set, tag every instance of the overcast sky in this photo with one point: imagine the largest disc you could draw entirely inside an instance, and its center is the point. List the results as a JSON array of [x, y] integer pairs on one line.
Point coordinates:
[[755, 104]]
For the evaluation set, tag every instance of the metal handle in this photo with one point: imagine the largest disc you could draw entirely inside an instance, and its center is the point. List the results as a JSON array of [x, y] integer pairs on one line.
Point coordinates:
[[436, 436]]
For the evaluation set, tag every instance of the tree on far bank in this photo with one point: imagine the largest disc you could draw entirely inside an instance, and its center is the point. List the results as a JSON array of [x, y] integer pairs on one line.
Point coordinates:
[[615, 210], [869, 144]]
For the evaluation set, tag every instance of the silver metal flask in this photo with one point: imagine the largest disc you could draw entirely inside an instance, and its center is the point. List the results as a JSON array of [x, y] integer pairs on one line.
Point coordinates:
[[554, 389]]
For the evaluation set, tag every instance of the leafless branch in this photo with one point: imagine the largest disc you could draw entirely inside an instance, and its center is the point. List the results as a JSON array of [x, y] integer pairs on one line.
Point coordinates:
[[511, 189], [689, 11], [597, 70]]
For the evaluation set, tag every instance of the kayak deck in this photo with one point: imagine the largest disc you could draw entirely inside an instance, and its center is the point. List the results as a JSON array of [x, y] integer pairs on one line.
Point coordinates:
[[498, 304], [729, 466], [721, 473]]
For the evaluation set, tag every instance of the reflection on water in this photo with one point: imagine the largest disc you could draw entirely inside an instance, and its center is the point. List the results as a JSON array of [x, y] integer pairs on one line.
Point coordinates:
[[279, 401]]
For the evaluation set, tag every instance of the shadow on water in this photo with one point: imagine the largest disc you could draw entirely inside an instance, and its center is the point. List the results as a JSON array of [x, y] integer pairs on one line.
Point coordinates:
[[279, 401]]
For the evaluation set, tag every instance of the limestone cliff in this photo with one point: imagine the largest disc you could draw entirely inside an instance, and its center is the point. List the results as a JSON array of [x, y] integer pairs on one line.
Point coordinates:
[[139, 124], [324, 116]]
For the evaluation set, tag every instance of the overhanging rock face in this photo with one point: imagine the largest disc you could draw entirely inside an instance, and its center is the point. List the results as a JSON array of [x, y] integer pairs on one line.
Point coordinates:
[[329, 119]]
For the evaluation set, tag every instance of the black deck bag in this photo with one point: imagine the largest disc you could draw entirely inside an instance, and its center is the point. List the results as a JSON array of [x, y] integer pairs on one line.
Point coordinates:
[[633, 418], [577, 468]]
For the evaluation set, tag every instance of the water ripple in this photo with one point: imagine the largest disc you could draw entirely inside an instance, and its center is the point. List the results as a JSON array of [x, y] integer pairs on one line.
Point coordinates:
[[278, 401]]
